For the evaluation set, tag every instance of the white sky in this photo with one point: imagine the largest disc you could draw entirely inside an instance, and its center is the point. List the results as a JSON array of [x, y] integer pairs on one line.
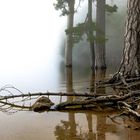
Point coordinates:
[[29, 34], [27, 28], [30, 31]]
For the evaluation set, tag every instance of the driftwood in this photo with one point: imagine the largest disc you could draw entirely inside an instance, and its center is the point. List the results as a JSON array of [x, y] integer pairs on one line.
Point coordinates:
[[108, 100], [94, 97], [127, 102], [90, 98], [50, 94]]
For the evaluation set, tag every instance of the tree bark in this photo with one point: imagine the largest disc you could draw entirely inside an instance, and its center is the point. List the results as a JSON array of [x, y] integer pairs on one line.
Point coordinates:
[[69, 44], [100, 34], [130, 65]]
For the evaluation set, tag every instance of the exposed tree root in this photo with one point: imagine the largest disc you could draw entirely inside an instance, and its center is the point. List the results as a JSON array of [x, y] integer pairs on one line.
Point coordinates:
[[129, 102], [120, 81]]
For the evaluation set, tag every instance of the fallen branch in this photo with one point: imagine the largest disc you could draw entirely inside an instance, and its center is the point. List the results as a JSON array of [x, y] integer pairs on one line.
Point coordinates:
[[51, 94], [105, 100], [93, 100]]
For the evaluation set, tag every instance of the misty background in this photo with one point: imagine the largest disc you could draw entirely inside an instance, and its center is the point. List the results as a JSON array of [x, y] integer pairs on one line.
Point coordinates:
[[32, 40]]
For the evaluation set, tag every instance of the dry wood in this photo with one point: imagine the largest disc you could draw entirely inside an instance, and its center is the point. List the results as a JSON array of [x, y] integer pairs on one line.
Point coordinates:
[[105, 100], [51, 94], [92, 101]]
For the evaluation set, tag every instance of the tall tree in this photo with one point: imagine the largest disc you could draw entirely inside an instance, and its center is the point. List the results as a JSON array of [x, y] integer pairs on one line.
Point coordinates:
[[100, 34], [130, 65], [69, 45], [67, 8], [90, 35]]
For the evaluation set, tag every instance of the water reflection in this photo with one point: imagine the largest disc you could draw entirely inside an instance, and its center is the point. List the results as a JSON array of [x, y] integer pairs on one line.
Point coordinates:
[[97, 126], [68, 128], [73, 125]]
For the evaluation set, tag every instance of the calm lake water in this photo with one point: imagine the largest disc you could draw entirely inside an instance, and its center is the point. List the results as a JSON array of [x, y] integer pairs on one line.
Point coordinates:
[[32, 40]]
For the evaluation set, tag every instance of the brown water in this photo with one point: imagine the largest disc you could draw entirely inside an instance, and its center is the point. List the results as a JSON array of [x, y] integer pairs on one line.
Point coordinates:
[[63, 126], [72, 125]]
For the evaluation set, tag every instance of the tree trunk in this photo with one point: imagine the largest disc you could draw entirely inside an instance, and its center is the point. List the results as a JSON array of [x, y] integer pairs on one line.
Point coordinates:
[[90, 36], [69, 44], [130, 65], [100, 35], [69, 80]]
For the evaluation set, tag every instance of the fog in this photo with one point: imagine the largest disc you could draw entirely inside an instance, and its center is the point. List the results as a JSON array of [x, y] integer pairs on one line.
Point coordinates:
[[30, 35]]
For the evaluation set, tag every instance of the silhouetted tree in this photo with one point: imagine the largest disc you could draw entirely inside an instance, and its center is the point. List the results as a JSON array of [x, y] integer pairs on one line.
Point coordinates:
[[88, 28], [67, 8], [69, 45], [90, 35], [100, 34]]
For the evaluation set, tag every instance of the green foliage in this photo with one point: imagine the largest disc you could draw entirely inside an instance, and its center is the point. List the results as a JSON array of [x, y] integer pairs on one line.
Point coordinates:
[[87, 29], [82, 29], [79, 31], [62, 5], [111, 9]]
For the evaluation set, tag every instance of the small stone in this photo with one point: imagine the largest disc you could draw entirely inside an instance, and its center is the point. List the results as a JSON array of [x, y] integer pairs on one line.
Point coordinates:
[[42, 104]]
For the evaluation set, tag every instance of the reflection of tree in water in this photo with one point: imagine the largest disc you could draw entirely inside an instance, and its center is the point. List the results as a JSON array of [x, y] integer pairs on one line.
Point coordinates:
[[70, 130], [67, 130]]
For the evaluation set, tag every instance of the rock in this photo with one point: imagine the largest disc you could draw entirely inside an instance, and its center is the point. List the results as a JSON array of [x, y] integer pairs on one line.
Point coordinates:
[[42, 104]]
